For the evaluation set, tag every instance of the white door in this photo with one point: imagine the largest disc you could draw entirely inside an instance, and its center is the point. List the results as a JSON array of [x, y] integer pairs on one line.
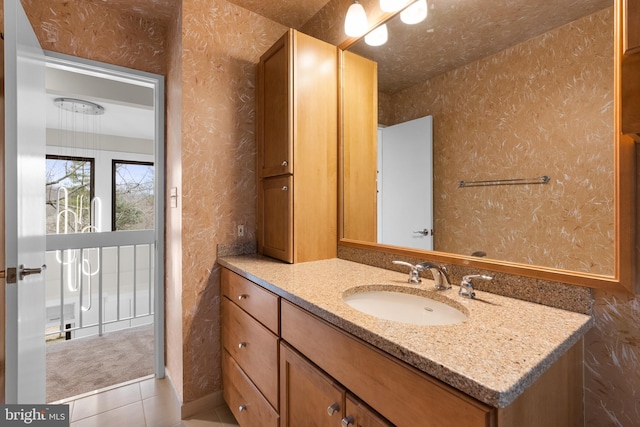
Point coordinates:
[[405, 197], [24, 207]]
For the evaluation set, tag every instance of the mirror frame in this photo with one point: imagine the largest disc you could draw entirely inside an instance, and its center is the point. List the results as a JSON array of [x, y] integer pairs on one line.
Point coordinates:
[[625, 242]]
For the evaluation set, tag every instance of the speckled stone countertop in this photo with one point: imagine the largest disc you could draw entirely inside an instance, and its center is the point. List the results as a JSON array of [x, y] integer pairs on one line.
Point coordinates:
[[503, 347]]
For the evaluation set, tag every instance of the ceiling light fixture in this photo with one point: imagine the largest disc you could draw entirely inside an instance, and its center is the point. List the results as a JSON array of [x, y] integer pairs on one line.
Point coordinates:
[[79, 106], [356, 23], [377, 37], [415, 13]]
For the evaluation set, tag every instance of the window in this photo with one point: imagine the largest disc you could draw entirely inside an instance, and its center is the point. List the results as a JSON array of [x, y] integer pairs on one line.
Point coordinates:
[[133, 195], [69, 195]]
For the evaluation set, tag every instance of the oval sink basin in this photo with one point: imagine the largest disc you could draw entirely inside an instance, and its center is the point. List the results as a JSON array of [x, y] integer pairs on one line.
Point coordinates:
[[405, 308]]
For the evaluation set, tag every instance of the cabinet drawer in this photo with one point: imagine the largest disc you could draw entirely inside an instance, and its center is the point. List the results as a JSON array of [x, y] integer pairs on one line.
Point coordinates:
[[257, 301], [253, 347], [397, 391], [239, 392]]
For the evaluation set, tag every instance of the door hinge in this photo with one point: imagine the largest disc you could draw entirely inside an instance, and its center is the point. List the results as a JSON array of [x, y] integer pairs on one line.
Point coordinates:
[[10, 275]]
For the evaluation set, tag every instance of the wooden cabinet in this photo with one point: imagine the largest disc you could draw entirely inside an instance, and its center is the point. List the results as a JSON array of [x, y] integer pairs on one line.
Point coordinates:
[[402, 394], [311, 398], [631, 26], [398, 392], [297, 149], [628, 65], [283, 366], [359, 155], [250, 342], [276, 202]]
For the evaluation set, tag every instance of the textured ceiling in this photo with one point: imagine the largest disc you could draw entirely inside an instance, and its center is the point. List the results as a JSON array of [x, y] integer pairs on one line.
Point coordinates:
[[458, 32], [149, 9], [290, 13]]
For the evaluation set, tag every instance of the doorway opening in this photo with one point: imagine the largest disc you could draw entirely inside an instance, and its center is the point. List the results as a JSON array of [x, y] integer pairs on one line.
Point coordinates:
[[105, 221]]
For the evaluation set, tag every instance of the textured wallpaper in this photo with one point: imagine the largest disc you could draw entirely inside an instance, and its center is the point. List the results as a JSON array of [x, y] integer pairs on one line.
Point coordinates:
[[221, 46], [93, 30], [520, 114], [612, 358]]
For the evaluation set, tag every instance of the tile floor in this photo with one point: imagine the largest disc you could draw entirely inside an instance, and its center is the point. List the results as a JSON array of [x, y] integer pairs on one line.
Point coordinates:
[[145, 403]]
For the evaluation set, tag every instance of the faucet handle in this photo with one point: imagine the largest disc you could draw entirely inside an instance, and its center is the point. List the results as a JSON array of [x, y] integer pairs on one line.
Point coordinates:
[[466, 286], [440, 275], [414, 274]]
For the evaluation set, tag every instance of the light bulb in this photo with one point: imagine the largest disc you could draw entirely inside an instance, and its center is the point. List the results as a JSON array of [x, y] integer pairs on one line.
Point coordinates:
[[415, 13], [355, 23], [377, 37]]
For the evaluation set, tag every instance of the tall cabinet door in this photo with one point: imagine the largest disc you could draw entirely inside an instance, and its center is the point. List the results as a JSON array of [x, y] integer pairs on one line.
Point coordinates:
[[308, 397], [275, 124], [276, 199], [628, 58]]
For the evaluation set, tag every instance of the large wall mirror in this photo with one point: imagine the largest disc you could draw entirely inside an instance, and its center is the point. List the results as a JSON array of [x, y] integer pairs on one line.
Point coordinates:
[[487, 135]]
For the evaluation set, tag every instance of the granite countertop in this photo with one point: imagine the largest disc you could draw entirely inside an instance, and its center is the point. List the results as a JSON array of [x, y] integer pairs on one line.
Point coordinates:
[[503, 347]]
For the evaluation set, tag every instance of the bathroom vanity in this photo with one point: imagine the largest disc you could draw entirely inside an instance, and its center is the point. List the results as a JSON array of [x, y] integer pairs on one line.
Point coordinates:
[[294, 353]]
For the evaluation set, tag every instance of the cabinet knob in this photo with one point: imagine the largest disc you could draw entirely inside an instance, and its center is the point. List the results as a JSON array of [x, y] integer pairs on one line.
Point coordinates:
[[347, 421], [285, 163], [285, 188], [242, 408], [242, 345], [332, 409], [243, 296]]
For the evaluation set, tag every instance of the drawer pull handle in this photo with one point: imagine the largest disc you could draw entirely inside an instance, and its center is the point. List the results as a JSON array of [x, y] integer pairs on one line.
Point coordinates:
[[243, 296], [285, 163], [242, 345], [332, 409], [242, 408], [285, 188], [347, 421]]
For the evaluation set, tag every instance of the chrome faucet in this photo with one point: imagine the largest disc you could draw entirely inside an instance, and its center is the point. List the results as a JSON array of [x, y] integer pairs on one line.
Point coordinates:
[[466, 286], [440, 275]]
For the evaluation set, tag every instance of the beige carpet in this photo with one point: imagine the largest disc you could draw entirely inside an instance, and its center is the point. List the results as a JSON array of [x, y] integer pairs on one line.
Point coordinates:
[[86, 364]]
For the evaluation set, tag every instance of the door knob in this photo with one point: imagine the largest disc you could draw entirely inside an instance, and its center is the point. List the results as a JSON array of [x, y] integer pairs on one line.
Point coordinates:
[[424, 232], [29, 271]]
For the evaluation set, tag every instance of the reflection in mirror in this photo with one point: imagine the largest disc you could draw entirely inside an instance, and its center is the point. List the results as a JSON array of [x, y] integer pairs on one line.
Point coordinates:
[[518, 90]]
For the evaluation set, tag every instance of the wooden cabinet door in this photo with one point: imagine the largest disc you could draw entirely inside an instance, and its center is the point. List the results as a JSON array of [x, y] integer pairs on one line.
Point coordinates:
[[276, 218], [360, 415], [359, 148], [275, 125], [631, 26], [308, 397]]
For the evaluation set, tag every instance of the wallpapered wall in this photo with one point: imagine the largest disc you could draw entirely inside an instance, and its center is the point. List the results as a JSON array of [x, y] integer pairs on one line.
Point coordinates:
[[221, 46], [216, 49], [521, 114]]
